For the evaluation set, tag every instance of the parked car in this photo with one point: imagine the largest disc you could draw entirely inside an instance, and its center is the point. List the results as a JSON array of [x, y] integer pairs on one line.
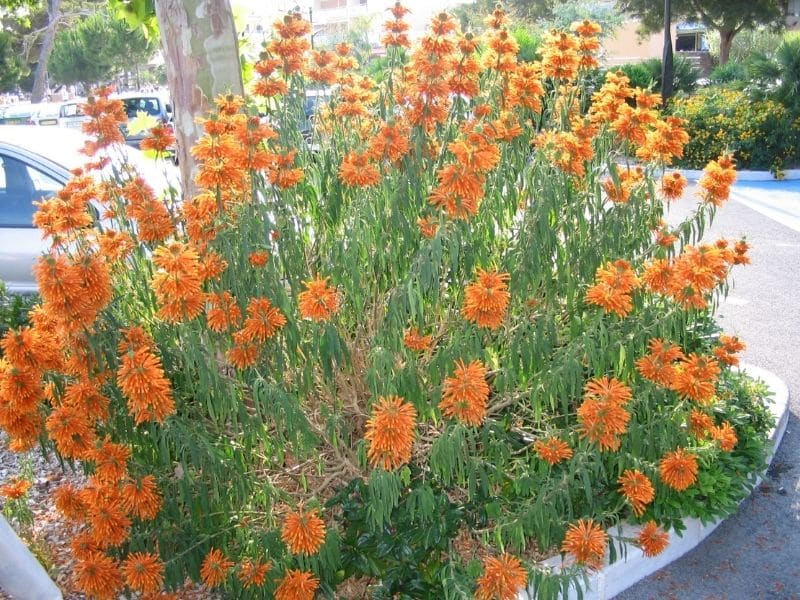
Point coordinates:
[[154, 105], [18, 114], [70, 113], [45, 114], [35, 163]]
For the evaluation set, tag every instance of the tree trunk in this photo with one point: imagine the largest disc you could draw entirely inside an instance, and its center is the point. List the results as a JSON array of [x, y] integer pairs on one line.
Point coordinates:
[[201, 53], [667, 67], [40, 76], [725, 42]]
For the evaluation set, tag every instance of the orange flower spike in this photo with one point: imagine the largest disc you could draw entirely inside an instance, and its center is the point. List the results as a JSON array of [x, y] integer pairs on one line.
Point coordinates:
[[658, 366], [503, 578], [552, 450], [253, 574], [111, 462], [465, 395], [700, 423], [215, 568], [258, 258], [263, 320], [725, 434], [602, 415], [672, 186], [678, 469], [297, 585], [141, 378], [15, 489], [319, 302], [740, 253], [303, 533], [68, 502], [718, 177], [390, 433], [486, 300], [98, 576], [428, 227], [413, 340], [142, 498], [652, 539], [696, 378], [728, 347], [223, 312], [356, 170], [159, 139], [587, 542], [637, 489], [110, 526], [143, 572]]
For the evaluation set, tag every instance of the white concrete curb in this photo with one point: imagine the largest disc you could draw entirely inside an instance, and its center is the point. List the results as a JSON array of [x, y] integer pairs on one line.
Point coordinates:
[[615, 578], [788, 175], [21, 575]]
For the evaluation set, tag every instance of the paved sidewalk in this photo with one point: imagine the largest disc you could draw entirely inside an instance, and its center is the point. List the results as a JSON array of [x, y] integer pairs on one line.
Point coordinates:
[[755, 554]]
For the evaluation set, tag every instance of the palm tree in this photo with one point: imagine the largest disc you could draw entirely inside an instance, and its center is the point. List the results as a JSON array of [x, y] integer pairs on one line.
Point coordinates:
[[778, 76]]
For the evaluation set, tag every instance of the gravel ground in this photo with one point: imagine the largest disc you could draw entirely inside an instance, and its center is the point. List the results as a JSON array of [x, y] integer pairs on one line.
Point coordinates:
[[754, 554]]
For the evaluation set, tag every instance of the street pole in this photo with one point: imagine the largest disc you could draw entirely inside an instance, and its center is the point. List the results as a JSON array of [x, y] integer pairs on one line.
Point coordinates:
[[311, 20], [667, 69]]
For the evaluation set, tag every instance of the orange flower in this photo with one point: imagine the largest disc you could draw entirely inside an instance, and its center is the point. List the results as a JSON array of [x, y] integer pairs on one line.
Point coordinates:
[[83, 545], [718, 177], [357, 170], [672, 186], [223, 312], [178, 283], [215, 568], [657, 366], [141, 378], [678, 469], [15, 489], [297, 585], [110, 525], [466, 394], [486, 301], [637, 488], [390, 433], [303, 533], [253, 573], [700, 423], [586, 541], [111, 462], [413, 340], [69, 503], [740, 250], [259, 258], [503, 578], [160, 139], [71, 431], [98, 576], [143, 572], [552, 450], [320, 301], [263, 320], [729, 346], [725, 434], [615, 282], [696, 378], [602, 416], [284, 174], [244, 352], [141, 498], [652, 539], [428, 227]]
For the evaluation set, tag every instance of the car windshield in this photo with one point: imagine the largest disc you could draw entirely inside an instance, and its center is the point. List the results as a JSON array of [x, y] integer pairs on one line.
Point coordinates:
[[71, 110], [151, 106]]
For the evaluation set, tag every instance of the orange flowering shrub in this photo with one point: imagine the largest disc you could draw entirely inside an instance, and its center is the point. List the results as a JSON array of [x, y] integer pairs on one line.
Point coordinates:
[[446, 334]]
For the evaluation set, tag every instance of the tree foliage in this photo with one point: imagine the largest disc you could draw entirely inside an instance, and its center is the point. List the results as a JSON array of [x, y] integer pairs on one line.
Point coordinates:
[[96, 50], [728, 17], [11, 66]]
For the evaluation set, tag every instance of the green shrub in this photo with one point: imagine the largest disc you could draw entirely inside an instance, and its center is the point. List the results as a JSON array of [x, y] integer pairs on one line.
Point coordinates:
[[13, 310], [762, 134], [728, 73]]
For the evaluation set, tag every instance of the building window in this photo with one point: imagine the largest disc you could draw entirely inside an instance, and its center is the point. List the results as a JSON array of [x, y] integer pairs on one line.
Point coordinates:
[[793, 8], [330, 4]]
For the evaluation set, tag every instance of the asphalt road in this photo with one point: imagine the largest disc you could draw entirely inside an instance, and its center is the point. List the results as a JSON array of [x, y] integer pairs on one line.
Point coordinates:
[[754, 554]]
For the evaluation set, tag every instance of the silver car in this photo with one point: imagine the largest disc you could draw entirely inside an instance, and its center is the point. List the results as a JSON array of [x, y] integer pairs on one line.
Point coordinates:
[[35, 163]]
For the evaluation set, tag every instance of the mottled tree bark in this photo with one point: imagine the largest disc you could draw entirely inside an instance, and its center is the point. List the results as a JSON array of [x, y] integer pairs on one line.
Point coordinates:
[[40, 75], [201, 53]]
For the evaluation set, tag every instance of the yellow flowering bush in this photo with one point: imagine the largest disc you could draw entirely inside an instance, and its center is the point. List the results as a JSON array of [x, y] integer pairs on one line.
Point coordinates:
[[761, 134], [447, 336]]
